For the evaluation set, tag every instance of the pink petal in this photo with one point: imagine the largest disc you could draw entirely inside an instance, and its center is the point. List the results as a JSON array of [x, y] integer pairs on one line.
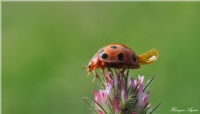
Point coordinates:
[[145, 98], [123, 92], [103, 96], [140, 94], [109, 86], [109, 75], [96, 96], [140, 79], [100, 112], [132, 83], [116, 106]]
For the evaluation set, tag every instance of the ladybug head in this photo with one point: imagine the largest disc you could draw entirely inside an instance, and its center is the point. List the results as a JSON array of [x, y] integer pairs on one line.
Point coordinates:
[[90, 67], [93, 64]]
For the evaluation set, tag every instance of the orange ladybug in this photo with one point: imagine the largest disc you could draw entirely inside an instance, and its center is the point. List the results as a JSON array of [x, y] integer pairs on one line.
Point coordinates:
[[119, 56]]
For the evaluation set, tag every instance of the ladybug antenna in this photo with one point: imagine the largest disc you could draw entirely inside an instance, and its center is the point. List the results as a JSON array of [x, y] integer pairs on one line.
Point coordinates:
[[86, 66], [148, 57]]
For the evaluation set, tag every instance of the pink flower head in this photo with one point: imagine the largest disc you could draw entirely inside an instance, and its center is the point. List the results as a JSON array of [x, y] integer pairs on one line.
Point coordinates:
[[117, 97], [102, 96]]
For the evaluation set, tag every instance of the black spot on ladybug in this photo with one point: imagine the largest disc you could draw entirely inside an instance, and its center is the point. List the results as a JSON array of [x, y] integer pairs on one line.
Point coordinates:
[[101, 51], [133, 57], [104, 56], [113, 47], [120, 57], [89, 66]]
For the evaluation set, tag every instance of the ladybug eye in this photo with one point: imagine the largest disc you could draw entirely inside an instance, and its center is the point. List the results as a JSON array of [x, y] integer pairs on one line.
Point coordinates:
[[133, 57], [89, 66]]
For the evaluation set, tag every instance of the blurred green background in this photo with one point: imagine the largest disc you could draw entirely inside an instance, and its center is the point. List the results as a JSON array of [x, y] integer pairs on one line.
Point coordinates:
[[45, 44]]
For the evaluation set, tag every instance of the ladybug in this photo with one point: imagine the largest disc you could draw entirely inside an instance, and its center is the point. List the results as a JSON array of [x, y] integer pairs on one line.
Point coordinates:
[[119, 56]]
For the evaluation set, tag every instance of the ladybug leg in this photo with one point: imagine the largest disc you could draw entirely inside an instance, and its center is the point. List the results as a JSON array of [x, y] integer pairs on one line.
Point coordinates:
[[102, 70], [122, 72], [95, 76], [109, 70], [105, 76]]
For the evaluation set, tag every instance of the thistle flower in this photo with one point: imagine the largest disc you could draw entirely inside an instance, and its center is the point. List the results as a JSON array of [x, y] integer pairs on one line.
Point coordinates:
[[121, 95]]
